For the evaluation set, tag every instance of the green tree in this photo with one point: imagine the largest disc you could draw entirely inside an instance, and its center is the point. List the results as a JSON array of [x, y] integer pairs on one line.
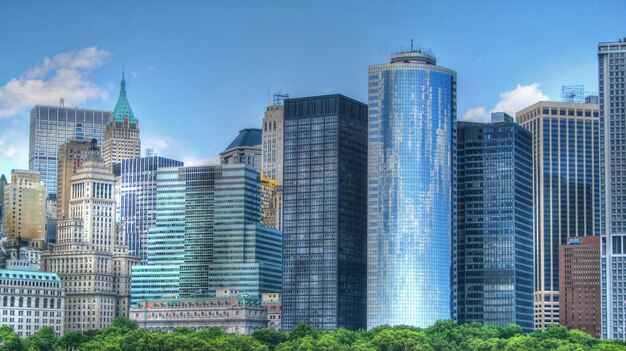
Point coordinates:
[[43, 340], [302, 330], [270, 337], [401, 340], [71, 341], [11, 340]]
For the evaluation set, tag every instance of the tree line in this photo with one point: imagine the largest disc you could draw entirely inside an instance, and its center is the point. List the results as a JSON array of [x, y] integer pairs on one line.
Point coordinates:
[[125, 335]]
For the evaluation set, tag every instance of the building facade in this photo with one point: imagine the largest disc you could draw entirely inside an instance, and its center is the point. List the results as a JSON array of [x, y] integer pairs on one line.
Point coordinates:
[[494, 243], [566, 190], [579, 285], [324, 220], [272, 303], [25, 208], [245, 149], [230, 312], [31, 300], [412, 116], [612, 72], [138, 197], [208, 236], [71, 156], [121, 137], [90, 256], [272, 143], [51, 126]]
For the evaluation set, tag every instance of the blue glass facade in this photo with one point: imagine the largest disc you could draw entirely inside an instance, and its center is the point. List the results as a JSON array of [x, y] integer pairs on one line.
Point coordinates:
[[325, 214], [494, 243], [138, 188], [412, 115]]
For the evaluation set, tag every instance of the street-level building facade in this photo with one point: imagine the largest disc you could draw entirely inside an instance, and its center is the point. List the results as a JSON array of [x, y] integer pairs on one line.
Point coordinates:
[[410, 217], [565, 192]]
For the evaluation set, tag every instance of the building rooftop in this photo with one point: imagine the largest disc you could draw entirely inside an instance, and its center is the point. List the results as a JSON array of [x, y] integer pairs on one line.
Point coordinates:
[[28, 275], [122, 108], [246, 137]]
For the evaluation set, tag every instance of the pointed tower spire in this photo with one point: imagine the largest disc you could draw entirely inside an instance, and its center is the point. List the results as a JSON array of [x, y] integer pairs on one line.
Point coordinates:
[[122, 108]]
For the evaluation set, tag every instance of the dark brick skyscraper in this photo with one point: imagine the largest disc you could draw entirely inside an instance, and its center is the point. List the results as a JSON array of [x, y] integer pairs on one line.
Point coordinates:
[[579, 284]]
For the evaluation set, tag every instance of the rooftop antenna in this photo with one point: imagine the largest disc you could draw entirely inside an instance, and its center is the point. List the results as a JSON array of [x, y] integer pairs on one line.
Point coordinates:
[[411, 44], [62, 102]]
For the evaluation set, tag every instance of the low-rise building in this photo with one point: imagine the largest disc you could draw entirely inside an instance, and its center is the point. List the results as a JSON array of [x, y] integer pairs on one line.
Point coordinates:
[[229, 311], [31, 300], [272, 304]]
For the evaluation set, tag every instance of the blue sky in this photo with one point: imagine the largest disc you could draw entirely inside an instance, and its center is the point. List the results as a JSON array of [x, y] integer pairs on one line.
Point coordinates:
[[198, 71]]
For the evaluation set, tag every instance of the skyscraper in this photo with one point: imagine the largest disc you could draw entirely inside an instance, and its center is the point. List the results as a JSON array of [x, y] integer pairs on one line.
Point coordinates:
[[324, 240], [566, 181], [579, 285], [494, 244], [25, 208], [121, 137], [612, 72], [90, 256], [71, 156], [412, 115], [272, 143], [138, 197], [51, 126], [244, 149], [208, 236]]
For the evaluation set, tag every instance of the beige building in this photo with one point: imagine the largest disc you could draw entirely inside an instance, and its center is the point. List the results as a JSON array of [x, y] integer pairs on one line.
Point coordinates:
[[90, 255], [25, 208], [272, 143], [228, 311], [121, 137], [70, 158], [565, 190], [272, 303]]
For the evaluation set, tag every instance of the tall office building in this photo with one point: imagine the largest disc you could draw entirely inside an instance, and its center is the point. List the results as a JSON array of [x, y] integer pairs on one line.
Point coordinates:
[[25, 208], [138, 192], [412, 117], [3, 183], [121, 137], [245, 149], [208, 236], [612, 72], [494, 244], [51, 126], [90, 255], [272, 143], [565, 190], [324, 240], [579, 284], [71, 156]]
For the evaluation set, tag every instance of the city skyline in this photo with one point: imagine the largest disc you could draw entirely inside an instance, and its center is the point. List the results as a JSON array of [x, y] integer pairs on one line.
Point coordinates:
[[203, 76]]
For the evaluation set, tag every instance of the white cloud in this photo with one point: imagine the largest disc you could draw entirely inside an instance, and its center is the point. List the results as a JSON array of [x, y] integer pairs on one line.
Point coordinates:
[[510, 102], [167, 147], [64, 76], [14, 146]]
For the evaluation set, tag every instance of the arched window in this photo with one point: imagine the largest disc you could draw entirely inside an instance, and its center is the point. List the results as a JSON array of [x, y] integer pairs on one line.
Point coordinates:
[[12, 301], [36, 302], [45, 302], [28, 302], [5, 302], [21, 304]]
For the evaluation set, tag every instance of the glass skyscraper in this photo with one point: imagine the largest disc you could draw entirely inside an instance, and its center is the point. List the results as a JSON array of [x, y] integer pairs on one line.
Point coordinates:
[[565, 190], [138, 193], [494, 243], [208, 236], [412, 116], [325, 214], [51, 126], [612, 72]]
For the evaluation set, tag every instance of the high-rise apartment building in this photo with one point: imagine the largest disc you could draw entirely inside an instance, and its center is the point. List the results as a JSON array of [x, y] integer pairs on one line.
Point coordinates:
[[90, 255], [579, 284], [245, 149], [412, 116], [324, 240], [208, 236], [565, 190], [71, 156], [51, 126], [121, 137], [612, 72], [25, 208], [272, 143], [494, 243], [138, 197]]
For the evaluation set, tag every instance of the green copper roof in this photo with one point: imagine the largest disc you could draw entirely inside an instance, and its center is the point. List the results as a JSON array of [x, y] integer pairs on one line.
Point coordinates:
[[122, 108]]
